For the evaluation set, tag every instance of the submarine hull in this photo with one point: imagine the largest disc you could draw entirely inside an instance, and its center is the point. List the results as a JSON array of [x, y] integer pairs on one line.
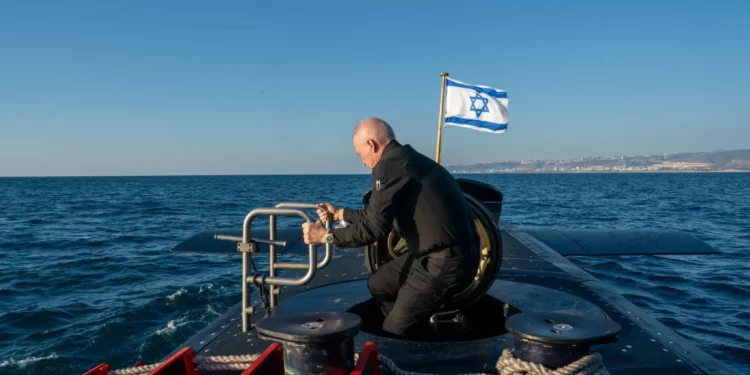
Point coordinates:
[[533, 277]]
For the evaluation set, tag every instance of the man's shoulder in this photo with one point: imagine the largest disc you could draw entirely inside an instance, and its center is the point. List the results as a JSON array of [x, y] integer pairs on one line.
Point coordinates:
[[389, 166], [409, 158], [404, 160], [401, 154]]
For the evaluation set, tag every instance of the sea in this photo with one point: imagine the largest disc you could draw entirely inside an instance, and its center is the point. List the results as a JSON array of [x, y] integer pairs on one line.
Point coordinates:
[[86, 275]]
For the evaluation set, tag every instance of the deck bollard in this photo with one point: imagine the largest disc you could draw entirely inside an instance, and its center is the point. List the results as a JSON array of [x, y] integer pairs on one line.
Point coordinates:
[[556, 339], [313, 343]]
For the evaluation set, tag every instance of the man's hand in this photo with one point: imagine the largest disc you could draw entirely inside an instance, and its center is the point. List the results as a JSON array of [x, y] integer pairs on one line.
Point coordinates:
[[325, 209], [314, 233]]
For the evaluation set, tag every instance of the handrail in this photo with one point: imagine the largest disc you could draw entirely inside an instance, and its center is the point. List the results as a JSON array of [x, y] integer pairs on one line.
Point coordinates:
[[223, 237], [299, 205], [245, 245], [272, 279], [273, 265], [283, 281], [311, 206]]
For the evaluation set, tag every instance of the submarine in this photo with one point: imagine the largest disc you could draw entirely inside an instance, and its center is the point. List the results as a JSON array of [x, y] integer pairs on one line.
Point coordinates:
[[528, 310]]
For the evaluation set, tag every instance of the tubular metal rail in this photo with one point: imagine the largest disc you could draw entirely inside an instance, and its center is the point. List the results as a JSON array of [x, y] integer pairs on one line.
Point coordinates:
[[247, 246]]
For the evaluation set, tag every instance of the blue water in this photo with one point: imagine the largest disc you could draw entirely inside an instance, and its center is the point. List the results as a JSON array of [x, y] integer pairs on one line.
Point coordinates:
[[86, 276]]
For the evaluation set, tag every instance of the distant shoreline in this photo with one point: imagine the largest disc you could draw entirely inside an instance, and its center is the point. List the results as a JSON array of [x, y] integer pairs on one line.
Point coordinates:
[[603, 172], [726, 161]]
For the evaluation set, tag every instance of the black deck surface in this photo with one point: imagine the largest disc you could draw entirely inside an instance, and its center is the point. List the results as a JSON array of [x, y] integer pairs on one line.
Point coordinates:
[[533, 277], [570, 242]]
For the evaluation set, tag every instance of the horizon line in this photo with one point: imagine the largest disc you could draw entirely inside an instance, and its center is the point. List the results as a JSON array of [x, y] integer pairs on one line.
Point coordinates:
[[366, 174]]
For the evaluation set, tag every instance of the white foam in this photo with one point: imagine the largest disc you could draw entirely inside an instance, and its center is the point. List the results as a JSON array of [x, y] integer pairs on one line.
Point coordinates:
[[171, 327], [174, 295], [210, 310], [208, 287], [23, 362]]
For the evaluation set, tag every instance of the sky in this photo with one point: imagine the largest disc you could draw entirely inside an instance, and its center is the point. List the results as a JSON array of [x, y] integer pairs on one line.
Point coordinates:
[[250, 87]]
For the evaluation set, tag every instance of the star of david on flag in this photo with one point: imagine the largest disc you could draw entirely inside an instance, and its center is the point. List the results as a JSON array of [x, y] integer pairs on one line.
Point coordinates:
[[475, 107]]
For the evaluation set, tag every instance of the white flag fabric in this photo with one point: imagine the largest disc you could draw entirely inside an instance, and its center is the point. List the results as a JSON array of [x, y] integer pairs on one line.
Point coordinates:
[[475, 107]]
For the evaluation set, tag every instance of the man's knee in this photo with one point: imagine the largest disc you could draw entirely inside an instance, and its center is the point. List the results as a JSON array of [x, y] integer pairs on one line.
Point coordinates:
[[375, 284], [415, 303], [407, 323], [396, 326], [370, 283]]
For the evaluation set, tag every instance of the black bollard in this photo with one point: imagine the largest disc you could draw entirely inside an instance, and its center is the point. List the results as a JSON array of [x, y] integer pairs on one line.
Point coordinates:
[[556, 339], [314, 343]]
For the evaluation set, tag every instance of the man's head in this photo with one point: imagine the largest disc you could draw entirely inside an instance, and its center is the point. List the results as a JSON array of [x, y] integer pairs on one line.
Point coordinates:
[[370, 137]]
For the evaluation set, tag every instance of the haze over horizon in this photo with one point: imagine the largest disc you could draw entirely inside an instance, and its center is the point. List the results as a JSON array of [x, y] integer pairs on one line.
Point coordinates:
[[142, 88]]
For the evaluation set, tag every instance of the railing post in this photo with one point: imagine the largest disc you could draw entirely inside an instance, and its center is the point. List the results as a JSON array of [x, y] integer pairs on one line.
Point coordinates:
[[244, 292], [272, 257]]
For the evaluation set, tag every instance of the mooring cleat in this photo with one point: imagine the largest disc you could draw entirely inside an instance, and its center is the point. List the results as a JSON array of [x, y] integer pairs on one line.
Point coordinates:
[[314, 340], [556, 339]]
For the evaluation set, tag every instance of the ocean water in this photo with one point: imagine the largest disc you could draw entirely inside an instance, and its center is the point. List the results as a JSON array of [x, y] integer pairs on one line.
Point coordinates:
[[86, 276]]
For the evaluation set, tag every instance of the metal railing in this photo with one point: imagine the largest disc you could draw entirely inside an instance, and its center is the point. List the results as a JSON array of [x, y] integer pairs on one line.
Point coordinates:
[[273, 265], [247, 246]]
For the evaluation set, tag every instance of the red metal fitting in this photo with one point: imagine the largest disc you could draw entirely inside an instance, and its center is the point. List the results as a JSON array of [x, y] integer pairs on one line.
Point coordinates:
[[270, 362], [368, 363], [102, 369], [183, 362]]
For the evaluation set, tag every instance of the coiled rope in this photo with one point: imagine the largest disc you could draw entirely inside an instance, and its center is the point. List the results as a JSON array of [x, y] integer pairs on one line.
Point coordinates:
[[588, 365], [506, 365]]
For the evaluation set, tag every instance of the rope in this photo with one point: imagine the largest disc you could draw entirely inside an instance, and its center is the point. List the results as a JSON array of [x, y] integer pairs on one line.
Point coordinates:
[[223, 366], [588, 365], [506, 365], [208, 363], [227, 358], [263, 293], [135, 370]]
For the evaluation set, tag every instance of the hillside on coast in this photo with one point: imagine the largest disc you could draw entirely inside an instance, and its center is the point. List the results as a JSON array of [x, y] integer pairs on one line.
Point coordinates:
[[714, 161]]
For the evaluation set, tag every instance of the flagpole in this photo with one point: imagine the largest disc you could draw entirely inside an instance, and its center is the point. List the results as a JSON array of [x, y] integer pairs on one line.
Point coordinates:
[[440, 119]]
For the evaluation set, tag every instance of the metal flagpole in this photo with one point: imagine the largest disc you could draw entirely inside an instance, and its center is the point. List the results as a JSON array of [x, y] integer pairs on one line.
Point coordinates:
[[440, 121]]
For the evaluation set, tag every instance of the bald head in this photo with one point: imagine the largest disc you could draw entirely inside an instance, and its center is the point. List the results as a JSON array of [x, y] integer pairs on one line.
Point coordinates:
[[375, 129], [370, 137]]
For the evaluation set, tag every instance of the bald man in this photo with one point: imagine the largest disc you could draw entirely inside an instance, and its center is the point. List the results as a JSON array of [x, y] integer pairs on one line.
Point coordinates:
[[429, 209]]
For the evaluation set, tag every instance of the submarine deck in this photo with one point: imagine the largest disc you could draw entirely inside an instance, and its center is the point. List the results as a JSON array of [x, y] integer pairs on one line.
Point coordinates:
[[533, 277]]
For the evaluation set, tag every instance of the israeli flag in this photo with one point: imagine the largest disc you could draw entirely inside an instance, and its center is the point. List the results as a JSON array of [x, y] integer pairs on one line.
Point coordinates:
[[475, 107]]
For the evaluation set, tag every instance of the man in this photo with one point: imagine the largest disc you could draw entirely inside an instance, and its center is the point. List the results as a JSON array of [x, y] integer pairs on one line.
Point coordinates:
[[432, 216]]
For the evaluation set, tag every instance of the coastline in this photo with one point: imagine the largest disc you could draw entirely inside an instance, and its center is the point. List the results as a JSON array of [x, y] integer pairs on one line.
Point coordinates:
[[600, 172]]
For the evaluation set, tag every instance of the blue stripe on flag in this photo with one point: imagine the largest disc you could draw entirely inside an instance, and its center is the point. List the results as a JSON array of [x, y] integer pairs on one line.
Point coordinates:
[[491, 92], [494, 126]]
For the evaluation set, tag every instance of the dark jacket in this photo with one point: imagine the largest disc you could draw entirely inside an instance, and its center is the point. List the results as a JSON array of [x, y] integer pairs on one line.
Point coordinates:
[[424, 199]]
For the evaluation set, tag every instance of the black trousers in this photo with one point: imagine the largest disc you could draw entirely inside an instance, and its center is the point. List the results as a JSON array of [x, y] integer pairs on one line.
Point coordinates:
[[409, 289]]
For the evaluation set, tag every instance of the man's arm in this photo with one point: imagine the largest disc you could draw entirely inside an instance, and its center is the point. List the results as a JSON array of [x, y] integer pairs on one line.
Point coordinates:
[[354, 215], [375, 221], [339, 214]]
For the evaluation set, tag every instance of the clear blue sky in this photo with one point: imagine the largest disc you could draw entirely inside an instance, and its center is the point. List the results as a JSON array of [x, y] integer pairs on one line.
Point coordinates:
[[251, 87]]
